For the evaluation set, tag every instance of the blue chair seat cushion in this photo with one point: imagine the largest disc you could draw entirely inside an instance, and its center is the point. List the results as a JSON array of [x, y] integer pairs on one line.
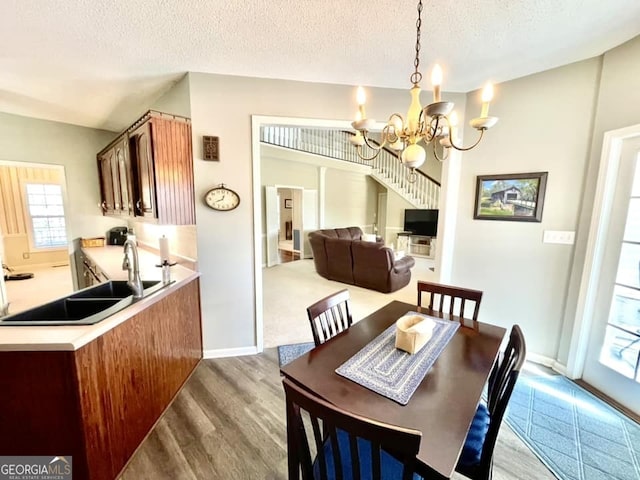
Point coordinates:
[[472, 450], [390, 466]]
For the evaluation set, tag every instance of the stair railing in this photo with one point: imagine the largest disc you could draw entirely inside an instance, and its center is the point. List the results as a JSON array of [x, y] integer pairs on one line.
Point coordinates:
[[387, 167]]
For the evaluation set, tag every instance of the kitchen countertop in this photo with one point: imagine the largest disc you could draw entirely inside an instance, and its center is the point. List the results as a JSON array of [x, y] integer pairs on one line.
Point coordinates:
[[73, 337]]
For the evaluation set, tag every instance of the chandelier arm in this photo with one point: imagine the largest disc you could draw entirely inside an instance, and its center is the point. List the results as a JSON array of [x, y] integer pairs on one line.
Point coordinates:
[[372, 146], [466, 149], [397, 134], [435, 153], [432, 129], [367, 159]]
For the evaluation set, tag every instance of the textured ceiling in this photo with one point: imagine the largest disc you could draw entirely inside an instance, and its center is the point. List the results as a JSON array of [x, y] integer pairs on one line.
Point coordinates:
[[100, 62]]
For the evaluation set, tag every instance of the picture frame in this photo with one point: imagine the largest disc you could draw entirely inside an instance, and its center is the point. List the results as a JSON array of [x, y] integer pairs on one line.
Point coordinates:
[[288, 203], [515, 197]]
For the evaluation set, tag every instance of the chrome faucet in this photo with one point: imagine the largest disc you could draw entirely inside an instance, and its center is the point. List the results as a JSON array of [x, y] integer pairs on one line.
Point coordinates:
[[134, 280]]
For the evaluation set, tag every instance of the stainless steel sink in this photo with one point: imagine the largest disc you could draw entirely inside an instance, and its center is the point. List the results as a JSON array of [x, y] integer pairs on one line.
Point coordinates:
[[85, 307]]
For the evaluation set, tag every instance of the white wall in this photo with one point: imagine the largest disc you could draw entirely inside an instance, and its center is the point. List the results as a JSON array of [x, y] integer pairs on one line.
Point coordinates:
[[351, 199], [545, 125], [25, 139], [176, 100]]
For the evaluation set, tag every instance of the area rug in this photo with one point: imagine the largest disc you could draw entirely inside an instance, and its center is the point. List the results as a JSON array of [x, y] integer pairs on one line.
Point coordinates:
[[288, 353], [575, 434]]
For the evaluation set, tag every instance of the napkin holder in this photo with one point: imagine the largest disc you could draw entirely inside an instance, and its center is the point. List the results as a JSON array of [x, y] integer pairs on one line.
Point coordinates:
[[413, 332]]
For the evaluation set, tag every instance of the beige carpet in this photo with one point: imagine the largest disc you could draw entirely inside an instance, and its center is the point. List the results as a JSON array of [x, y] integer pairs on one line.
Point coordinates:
[[289, 288]]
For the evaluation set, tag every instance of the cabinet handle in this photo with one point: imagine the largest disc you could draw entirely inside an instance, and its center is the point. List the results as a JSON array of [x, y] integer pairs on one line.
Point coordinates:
[[103, 205], [138, 206]]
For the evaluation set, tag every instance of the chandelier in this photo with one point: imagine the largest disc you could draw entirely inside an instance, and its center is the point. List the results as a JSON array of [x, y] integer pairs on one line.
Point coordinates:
[[434, 124]]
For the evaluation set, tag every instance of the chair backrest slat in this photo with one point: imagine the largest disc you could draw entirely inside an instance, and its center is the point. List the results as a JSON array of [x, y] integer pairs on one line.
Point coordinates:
[[343, 436], [452, 296], [330, 316]]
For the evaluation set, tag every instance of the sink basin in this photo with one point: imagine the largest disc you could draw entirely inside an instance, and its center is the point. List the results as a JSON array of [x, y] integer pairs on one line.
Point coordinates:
[[116, 289], [85, 307], [68, 311]]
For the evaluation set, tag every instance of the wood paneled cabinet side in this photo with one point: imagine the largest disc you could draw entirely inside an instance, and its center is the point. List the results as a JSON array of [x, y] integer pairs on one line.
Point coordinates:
[[162, 162], [98, 403]]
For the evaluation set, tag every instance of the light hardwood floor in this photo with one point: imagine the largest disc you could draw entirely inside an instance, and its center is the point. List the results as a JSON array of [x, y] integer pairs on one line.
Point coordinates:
[[228, 423]]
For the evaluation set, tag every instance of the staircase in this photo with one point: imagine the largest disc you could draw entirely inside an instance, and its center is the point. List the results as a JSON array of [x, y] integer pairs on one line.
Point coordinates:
[[386, 168]]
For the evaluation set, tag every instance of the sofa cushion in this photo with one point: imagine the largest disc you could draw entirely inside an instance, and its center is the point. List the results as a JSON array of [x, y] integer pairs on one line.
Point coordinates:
[[371, 264], [339, 260]]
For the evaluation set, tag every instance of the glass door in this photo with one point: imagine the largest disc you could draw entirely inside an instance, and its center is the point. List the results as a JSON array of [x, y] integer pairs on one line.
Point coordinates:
[[613, 357]]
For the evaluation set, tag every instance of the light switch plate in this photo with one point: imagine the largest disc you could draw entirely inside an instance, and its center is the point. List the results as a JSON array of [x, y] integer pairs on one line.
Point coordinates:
[[559, 236]]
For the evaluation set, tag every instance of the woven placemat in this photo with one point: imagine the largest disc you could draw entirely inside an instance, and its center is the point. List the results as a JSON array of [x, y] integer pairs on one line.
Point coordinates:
[[381, 367]]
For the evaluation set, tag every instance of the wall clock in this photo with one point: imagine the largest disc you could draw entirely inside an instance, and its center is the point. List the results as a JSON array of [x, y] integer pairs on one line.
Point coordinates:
[[222, 198]]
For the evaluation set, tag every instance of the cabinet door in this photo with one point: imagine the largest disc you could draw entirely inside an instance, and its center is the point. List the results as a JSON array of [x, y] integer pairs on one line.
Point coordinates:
[[123, 177], [173, 167], [142, 150], [105, 170]]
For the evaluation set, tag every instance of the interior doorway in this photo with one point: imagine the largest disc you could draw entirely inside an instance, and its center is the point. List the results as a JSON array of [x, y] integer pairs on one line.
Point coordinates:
[[287, 205], [291, 212]]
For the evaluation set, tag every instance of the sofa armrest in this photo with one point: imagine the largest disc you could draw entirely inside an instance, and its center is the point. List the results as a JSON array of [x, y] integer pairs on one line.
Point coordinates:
[[403, 264]]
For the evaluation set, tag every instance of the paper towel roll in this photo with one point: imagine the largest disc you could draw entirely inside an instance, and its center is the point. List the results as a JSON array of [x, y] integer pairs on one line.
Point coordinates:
[[164, 250]]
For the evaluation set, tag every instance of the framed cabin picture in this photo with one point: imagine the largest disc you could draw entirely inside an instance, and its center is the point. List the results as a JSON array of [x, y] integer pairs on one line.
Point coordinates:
[[515, 197]]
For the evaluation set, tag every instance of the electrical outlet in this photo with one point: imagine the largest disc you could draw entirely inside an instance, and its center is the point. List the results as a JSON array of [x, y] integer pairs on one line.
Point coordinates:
[[558, 236], [26, 255]]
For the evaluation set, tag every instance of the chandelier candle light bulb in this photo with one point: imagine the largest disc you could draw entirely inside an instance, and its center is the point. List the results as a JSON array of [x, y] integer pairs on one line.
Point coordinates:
[[361, 97], [487, 96], [453, 122], [436, 81]]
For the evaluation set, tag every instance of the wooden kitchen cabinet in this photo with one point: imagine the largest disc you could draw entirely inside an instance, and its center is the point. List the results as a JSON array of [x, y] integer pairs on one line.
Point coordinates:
[[115, 178], [106, 164], [148, 171], [162, 160]]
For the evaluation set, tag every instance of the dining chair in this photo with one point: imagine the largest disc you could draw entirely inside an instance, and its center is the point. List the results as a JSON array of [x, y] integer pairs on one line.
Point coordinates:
[[450, 299], [344, 445], [330, 316], [476, 459]]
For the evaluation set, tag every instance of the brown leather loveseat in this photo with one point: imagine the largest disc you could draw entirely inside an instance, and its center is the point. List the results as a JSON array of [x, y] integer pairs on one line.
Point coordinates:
[[340, 254]]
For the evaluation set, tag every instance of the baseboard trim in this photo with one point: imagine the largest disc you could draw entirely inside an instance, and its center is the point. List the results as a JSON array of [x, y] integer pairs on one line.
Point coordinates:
[[548, 362], [229, 352]]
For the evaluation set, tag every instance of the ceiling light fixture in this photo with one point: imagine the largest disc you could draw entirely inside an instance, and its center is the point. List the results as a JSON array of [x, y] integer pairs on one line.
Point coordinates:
[[435, 123]]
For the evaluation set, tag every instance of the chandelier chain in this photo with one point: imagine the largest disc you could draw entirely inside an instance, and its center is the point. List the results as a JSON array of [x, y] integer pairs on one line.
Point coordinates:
[[416, 76]]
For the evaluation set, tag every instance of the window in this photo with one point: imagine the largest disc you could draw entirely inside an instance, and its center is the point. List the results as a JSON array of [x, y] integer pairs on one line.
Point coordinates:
[[621, 350], [44, 204]]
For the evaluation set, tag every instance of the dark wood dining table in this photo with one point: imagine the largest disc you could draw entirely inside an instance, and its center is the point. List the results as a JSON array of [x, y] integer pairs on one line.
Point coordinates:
[[443, 405]]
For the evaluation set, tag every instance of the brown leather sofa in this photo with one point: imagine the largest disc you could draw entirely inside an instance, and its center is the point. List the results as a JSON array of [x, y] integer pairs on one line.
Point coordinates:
[[340, 254]]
